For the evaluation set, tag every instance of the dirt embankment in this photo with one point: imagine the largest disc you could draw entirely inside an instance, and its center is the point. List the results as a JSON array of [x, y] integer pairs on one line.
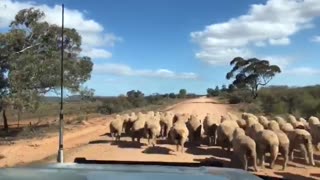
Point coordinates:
[[90, 141]]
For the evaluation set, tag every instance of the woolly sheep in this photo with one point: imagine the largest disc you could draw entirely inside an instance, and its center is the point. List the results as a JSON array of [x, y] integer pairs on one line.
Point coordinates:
[[243, 148], [267, 141], [242, 123], [152, 129], [284, 145], [166, 122], [179, 135], [263, 121], [273, 125], [194, 126], [286, 127], [225, 133], [313, 120], [116, 126], [301, 139], [292, 119], [253, 130], [210, 125], [280, 120], [138, 128]]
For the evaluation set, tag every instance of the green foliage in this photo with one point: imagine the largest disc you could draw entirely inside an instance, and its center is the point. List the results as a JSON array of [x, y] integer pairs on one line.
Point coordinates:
[[135, 99], [182, 93], [30, 61], [252, 73], [302, 101], [213, 92]]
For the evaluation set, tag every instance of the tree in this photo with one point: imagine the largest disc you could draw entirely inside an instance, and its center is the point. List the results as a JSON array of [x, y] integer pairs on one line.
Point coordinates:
[[86, 96], [172, 95], [210, 92], [251, 73], [182, 93], [223, 88], [136, 98], [30, 60]]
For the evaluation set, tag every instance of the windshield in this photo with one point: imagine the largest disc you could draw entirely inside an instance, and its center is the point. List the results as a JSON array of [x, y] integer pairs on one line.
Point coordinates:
[[229, 83]]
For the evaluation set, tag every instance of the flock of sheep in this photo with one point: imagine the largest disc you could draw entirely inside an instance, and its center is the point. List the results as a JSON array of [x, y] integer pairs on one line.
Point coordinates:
[[249, 136]]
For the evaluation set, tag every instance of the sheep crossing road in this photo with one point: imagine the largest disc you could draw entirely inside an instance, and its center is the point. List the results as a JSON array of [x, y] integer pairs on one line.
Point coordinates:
[[195, 130]]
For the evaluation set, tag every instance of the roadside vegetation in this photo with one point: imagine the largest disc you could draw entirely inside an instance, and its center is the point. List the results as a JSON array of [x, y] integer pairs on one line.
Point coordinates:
[[249, 89]]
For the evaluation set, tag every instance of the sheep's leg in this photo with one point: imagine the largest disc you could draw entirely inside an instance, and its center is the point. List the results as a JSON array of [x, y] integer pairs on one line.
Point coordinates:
[[254, 159], [291, 150], [309, 152], [284, 152], [245, 162], [273, 155], [303, 151]]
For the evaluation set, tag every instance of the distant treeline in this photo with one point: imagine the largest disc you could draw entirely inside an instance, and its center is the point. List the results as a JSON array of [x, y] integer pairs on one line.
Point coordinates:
[[136, 99], [300, 101]]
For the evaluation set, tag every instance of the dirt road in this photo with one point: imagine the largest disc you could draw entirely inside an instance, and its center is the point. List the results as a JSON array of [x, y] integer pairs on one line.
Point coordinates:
[[90, 141]]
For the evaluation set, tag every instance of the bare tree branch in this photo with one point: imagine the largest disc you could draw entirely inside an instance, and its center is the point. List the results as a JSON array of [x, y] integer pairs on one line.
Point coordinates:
[[27, 48]]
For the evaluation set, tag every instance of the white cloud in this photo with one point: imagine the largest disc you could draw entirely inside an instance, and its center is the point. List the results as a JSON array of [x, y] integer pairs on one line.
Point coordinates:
[[273, 22], [315, 39], [92, 33], [281, 41], [282, 62], [124, 70], [303, 71], [96, 53]]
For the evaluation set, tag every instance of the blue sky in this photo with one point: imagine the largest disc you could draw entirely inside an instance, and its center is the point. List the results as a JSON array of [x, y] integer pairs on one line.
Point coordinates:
[[163, 46]]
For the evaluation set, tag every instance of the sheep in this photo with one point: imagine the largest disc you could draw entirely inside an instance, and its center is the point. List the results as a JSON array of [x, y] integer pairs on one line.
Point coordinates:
[[298, 125], [242, 123], [301, 139], [273, 125], [286, 127], [291, 119], [225, 133], [315, 133], [210, 125], [194, 126], [243, 148], [250, 119], [267, 141], [284, 145], [179, 135], [129, 122], [166, 122], [138, 127], [313, 120], [152, 130], [181, 117], [263, 121], [253, 130], [116, 127], [304, 122], [280, 120]]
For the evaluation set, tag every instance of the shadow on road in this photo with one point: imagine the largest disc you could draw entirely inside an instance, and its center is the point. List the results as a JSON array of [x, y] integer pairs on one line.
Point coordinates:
[[157, 150], [213, 151], [100, 142], [127, 144]]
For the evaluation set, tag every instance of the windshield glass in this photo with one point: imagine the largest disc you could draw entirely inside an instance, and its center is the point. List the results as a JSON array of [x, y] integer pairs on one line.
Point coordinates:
[[228, 83]]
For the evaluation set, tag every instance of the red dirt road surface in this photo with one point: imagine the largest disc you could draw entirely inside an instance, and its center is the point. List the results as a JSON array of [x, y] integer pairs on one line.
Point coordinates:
[[90, 141]]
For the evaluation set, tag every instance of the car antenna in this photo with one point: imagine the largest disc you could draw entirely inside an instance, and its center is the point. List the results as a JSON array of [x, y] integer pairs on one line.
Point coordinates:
[[60, 151]]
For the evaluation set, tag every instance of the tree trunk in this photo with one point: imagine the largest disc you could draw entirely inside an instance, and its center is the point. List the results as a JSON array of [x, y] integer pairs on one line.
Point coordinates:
[[5, 120]]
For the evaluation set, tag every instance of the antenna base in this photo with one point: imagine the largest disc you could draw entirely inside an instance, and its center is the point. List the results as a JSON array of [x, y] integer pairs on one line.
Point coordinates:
[[60, 156]]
